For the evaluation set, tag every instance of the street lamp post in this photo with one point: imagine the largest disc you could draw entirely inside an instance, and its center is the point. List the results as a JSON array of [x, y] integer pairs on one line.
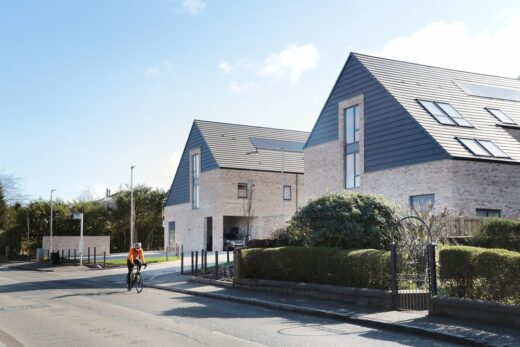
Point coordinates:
[[52, 191], [132, 207], [283, 189], [79, 215]]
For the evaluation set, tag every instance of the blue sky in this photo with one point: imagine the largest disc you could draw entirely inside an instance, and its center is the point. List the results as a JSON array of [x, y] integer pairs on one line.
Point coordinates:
[[88, 88]]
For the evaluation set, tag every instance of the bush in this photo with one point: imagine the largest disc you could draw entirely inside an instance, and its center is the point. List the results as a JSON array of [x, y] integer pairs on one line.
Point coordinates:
[[349, 221], [499, 233], [368, 268], [262, 243], [479, 273]]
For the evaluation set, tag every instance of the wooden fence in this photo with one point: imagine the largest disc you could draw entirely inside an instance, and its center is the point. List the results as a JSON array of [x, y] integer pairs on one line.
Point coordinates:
[[464, 226]]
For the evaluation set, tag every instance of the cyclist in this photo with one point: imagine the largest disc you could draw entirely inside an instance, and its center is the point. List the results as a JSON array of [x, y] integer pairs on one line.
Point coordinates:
[[135, 257]]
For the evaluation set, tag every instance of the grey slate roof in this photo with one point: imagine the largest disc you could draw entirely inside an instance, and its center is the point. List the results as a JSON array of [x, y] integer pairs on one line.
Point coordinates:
[[409, 81], [231, 146]]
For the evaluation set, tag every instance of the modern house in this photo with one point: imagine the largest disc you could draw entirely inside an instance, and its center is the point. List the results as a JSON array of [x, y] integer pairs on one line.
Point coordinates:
[[418, 134], [233, 178]]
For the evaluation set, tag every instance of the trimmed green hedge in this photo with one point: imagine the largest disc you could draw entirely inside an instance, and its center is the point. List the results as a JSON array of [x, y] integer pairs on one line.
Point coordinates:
[[367, 268], [498, 233], [480, 273]]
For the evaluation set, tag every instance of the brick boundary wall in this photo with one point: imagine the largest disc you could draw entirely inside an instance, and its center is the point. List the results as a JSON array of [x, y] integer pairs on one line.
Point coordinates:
[[476, 310], [59, 243], [359, 296]]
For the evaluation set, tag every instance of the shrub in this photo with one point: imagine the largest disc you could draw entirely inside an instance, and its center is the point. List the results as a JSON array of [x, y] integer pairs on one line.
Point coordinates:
[[479, 273], [368, 268], [262, 243], [349, 221], [499, 233]]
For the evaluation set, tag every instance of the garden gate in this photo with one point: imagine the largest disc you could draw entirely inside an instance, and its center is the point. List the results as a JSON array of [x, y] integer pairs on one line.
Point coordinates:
[[413, 272]]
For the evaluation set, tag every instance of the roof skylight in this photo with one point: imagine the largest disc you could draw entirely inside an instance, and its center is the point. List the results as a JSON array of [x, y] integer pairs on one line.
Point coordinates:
[[444, 113], [501, 116], [484, 148]]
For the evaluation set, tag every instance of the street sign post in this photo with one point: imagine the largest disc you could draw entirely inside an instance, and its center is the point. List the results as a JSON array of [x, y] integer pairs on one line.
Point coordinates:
[[79, 215]]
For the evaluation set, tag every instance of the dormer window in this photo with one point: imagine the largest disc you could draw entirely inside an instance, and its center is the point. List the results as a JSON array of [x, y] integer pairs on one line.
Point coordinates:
[[500, 115], [444, 113]]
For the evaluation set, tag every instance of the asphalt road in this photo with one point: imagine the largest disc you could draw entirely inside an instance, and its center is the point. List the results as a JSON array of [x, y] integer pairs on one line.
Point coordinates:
[[85, 308]]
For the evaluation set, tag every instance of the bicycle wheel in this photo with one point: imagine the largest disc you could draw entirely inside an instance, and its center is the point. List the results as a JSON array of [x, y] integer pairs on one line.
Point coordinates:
[[139, 283]]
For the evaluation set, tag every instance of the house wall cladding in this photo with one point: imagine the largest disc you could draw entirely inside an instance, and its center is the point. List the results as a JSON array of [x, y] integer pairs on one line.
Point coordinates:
[[392, 136], [59, 243], [180, 188]]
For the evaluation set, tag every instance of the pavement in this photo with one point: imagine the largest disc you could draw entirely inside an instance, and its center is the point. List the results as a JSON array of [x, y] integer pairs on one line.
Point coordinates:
[[166, 276], [415, 322]]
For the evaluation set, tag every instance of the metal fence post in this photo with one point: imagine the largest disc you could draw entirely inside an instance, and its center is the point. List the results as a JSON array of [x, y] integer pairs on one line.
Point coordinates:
[[74, 254], [192, 267], [167, 253], [94, 255], [62, 255], [68, 255], [394, 284], [205, 262], [433, 269], [88, 255], [104, 258], [196, 263], [216, 265], [48, 257], [182, 262]]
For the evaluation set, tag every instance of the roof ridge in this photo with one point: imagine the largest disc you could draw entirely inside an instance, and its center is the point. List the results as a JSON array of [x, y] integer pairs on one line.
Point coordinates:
[[249, 126], [433, 66]]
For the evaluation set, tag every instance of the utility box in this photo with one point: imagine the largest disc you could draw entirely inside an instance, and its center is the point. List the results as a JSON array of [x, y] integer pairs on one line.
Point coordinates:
[[55, 258]]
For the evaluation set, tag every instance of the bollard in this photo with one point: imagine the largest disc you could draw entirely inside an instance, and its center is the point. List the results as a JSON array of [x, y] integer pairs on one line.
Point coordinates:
[[68, 255], [94, 255], [167, 253], [88, 255], [74, 254], [216, 265], [196, 263], [48, 257], [104, 258], [205, 262], [182, 263], [228, 256], [62, 255], [202, 261], [191, 262]]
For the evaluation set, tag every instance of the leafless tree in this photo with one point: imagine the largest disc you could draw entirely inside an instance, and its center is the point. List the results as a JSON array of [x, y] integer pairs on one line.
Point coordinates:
[[248, 208]]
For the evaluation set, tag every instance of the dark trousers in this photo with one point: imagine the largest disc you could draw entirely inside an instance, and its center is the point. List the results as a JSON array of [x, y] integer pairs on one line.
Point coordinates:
[[130, 266]]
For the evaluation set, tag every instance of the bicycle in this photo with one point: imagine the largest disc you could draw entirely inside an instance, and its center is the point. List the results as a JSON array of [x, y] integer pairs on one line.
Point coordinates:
[[136, 278]]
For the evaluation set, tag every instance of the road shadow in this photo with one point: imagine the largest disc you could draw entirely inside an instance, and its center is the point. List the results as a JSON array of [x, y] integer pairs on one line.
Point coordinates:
[[293, 324]]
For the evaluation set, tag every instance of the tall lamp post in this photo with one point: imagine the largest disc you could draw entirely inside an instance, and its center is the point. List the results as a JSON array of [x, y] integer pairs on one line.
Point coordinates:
[[52, 191], [132, 207]]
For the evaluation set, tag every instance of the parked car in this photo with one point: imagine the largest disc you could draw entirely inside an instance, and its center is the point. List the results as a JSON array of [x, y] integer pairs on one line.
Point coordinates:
[[232, 241]]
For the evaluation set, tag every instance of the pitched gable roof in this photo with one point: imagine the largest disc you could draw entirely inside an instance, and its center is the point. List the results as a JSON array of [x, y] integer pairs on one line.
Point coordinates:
[[232, 147], [408, 82]]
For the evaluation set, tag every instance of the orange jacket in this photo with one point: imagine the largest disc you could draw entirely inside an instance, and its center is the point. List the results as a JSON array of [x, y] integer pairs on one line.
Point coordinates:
[[133, 254]]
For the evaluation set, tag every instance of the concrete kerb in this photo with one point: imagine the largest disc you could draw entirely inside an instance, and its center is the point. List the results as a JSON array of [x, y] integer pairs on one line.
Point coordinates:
[[398, 327]]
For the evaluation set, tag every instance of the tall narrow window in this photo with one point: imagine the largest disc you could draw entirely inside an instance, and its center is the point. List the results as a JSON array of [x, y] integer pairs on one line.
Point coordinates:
[[171, 233], [352, 164], [242, 190], [287, 193], [195, 174]]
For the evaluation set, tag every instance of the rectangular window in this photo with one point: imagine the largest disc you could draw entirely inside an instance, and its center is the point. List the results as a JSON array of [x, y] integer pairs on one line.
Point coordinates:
[[242, 190], [287, 193], [484, 148], [352, 163], [485, 212], [352, 124], [195, 174], [501, 116], [171, 233], [422, 201], [444, 113]]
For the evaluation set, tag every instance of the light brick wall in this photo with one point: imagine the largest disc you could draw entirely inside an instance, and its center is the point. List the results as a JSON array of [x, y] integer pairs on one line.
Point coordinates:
[[461, 186], [59, 243], [219, 198]]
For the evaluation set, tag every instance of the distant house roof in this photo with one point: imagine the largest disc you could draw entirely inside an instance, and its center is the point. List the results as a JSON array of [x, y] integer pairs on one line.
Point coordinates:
[[248, 147], [471, 94]]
